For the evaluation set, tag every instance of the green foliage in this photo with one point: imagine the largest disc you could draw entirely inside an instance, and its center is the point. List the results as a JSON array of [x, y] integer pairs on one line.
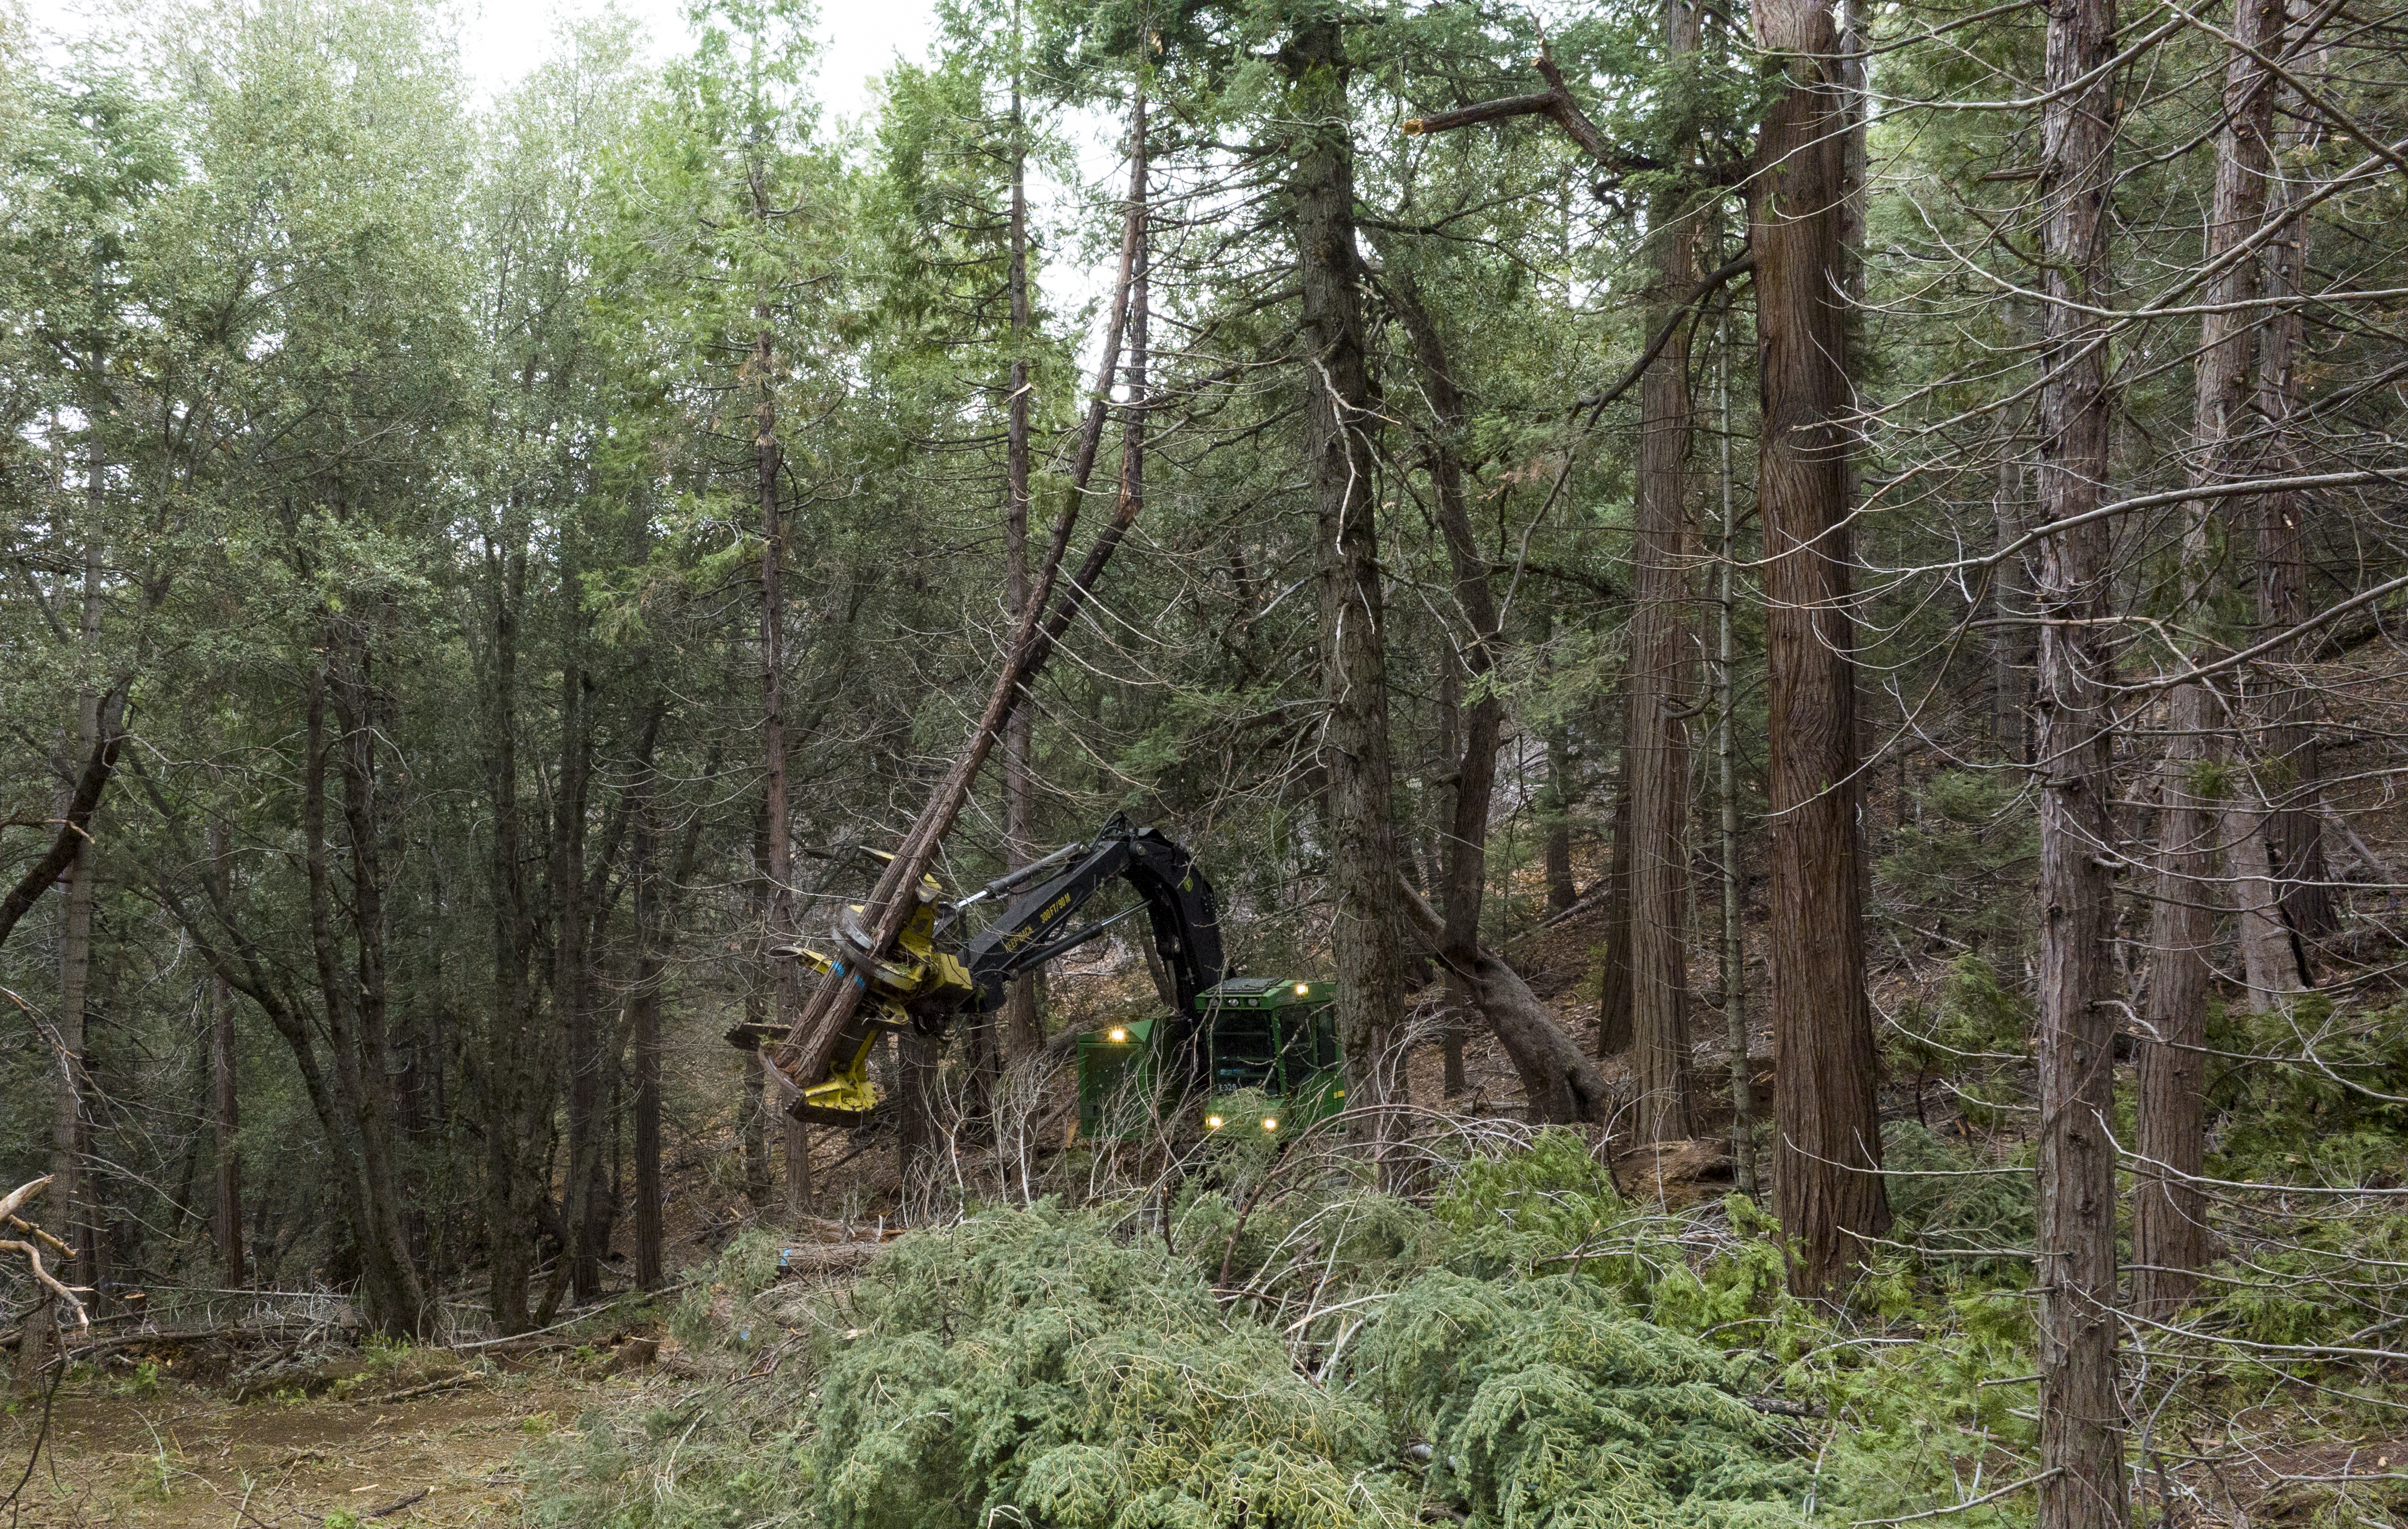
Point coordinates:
[[1946, 1197], [1960, 871], [2332, 1114], [1033, 1364], [1055, 1366], [1545, 1404]]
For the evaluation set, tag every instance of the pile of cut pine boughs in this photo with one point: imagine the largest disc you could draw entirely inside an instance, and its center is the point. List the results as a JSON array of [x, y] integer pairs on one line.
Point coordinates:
[[1326, 1356]]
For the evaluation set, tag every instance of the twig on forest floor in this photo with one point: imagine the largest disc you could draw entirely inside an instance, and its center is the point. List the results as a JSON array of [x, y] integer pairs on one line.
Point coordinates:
[[1959, 1508], [396, 1505], [446, 1383]]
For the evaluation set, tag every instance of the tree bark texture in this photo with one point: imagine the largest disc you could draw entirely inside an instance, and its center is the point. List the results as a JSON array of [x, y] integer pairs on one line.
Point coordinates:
[[1726, 703], [71, 1123], [1564, 1087], [2288, 748], [2169, 1229], [1366, 858], [1020, 1025], [1614, 1028], [2169, 1212], [1473, 733], [354, 1000], [518, 1078], [644, 1019], [1826, 1172], [572, 994], [1663, 671], [2081, 1426], [225, 1099]]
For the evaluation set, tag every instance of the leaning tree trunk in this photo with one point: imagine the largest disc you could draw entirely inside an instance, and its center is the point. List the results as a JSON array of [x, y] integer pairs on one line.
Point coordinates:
[[1663, 676], [1563, 1085], [1826, 1150], [2169, 1230], [2082, 1445], [1364, 852]]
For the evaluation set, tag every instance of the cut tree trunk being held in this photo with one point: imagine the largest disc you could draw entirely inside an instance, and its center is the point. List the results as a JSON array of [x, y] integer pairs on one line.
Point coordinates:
[[810, 1039]]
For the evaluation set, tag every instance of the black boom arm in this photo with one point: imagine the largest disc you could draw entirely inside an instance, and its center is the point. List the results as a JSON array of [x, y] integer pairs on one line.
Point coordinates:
[[1035, 928]]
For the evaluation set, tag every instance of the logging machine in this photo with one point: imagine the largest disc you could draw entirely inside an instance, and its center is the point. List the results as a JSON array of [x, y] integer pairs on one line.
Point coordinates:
[[1268, 1039]]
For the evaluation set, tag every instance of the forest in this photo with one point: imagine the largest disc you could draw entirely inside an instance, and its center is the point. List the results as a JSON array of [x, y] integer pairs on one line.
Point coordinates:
[[1789, 619]]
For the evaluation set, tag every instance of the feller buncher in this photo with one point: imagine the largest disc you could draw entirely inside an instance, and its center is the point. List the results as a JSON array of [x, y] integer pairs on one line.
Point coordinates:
[[1274, 1038]]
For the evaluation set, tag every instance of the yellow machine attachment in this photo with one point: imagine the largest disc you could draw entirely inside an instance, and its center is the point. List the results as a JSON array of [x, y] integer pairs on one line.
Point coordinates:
[[918, 977]]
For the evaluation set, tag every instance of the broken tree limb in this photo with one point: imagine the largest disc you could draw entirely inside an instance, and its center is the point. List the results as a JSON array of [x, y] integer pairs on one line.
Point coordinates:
[[77, 826], [1564, 1084], [1555, 103], [810, 1042], [10, 1205]]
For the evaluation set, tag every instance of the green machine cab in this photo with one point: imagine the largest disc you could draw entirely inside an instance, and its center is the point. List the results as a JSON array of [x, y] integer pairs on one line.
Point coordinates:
[[1273, 1039]]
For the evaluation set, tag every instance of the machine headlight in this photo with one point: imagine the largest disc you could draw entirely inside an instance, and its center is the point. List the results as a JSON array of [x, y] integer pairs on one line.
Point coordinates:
[[1117, 1036], [1270, 1122], [1303, 988], [1211, 1122]]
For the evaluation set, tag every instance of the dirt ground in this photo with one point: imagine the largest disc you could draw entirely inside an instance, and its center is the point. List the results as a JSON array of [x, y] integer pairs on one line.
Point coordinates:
[[186, 1457]]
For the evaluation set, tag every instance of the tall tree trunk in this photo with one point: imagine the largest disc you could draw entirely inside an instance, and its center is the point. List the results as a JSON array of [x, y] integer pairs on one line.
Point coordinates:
[[1726, 703], [1614, 1027], [1366, 859], [354, 1000], [2169, 1230], [1663, 663], [644, 1003], [225, 1099], [1463, 874], [516, 1078], [1446, 772], [2012, 642], [1555, 806], [769, 462], [2081, 1432], [758, 996], [1827, 1175], [2294, 829], [1022, 1027], [2168, 1211], [71, 1127], [572, 970]]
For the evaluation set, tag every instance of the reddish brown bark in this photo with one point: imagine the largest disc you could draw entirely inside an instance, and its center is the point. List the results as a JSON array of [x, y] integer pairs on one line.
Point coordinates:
[[1366, 853], [2169, 1226], [2080, 1423], [1827, 1151], [1663, 676]]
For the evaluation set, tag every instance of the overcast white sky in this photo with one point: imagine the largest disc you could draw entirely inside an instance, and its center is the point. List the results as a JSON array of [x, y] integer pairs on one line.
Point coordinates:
[[502, 40]]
